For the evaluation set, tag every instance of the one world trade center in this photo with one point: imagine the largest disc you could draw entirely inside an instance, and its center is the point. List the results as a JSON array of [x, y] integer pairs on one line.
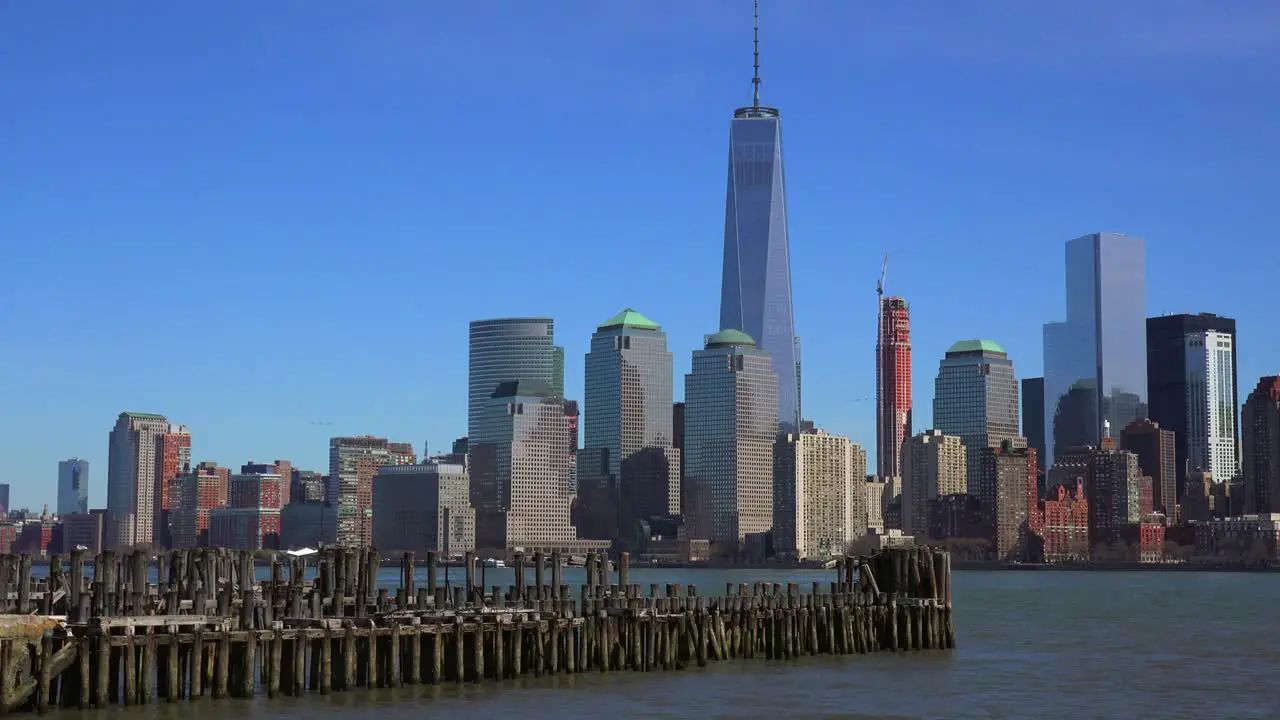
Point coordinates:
[[755, 292]]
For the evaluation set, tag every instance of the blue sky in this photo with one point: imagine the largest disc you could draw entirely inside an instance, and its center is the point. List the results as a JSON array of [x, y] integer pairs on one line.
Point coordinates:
[[254, 217]]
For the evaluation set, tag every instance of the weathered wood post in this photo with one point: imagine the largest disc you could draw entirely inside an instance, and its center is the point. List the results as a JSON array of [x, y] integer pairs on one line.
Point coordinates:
[[24, 583], [539, 579], [557, 574], [518, 562], [470, 559]]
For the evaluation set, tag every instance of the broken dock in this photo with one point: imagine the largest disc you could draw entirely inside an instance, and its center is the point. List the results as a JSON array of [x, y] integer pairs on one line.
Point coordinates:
[[209, 627]]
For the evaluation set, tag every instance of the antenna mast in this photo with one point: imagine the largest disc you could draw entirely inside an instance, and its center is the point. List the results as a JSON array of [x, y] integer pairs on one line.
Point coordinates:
[[884, 268], [755, 44]]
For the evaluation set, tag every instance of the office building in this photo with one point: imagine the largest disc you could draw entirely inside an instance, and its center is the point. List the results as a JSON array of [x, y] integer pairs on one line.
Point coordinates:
[[819, 495], [1211, 410], [84, 531], [893, 384], [174, 456], [1169, 373], [424, 507], [1260, 436], [1033, 417], [976, 399], [634, 473], [135, 465], [73, 486], [251, 519], [1095, 361], [1112, 484], [520, 470], [509, 349], [1155, 448], [196, 493], [353, 461], [933, 465], [730, 425], [755, 293], [1008, 491]]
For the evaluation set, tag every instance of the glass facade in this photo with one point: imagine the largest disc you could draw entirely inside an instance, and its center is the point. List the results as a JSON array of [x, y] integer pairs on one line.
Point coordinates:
[[731, 422], [73, 486], [1167, 376], [975, 398], [755, 295], [1095, 361], [509, 349]]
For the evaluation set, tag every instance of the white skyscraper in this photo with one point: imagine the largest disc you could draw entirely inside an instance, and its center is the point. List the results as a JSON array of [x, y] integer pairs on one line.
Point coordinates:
[[1211, 412]]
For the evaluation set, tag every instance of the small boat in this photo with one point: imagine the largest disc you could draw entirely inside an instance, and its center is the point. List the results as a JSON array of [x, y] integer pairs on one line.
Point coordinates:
[[494, 563]]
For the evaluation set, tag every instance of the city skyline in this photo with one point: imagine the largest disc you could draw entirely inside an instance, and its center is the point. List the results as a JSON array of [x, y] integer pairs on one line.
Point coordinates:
[[409, 389]]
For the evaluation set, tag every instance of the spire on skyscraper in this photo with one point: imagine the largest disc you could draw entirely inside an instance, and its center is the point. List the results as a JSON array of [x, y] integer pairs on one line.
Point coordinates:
[[755, 47]]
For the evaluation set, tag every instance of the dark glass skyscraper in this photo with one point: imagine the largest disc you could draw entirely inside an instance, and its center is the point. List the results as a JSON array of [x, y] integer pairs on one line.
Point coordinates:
[[755, 291], [1168, 378], [1095, 362]]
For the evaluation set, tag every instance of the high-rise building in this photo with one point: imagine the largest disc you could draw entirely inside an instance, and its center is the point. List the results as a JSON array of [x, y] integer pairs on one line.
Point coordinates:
[[195, 493], [251, 519], [933, 465], [73, 486], [731, 422], [1168, 375], [1155, 448], [628, 408], [755, 293], [308, 486], [893, 385], [1007, 490], [1033, 417], [1095, 366], [976, 399], [284, 469], [174, 457], [819, 495], [425, 506], [520, 470], [4, 500], [1211, 410], [135, 464], [1260, 433], [509, 349], [1112, 483], [353, 461]]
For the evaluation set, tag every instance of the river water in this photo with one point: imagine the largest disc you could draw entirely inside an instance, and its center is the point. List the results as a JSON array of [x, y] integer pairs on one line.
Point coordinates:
[[1037, 645]]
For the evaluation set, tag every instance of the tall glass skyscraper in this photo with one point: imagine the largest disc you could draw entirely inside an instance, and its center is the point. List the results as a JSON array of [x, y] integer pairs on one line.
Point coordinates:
[[509, 349], [755, 291], [73, 486], [1095, 362]]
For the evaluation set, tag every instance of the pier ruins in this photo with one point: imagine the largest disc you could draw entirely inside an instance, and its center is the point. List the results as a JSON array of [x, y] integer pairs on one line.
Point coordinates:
[[136, 628]]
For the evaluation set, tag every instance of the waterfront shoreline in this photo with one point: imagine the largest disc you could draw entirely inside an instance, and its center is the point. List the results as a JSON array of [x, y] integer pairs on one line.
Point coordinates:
[[1126, 567]]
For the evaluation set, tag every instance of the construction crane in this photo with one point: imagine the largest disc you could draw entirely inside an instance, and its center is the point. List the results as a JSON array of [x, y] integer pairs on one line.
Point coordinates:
[[884, 268]]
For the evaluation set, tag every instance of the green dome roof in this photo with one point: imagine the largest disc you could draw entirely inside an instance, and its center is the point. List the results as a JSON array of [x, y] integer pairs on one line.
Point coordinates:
[[629, 319], [730, 338], [970, 346]]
